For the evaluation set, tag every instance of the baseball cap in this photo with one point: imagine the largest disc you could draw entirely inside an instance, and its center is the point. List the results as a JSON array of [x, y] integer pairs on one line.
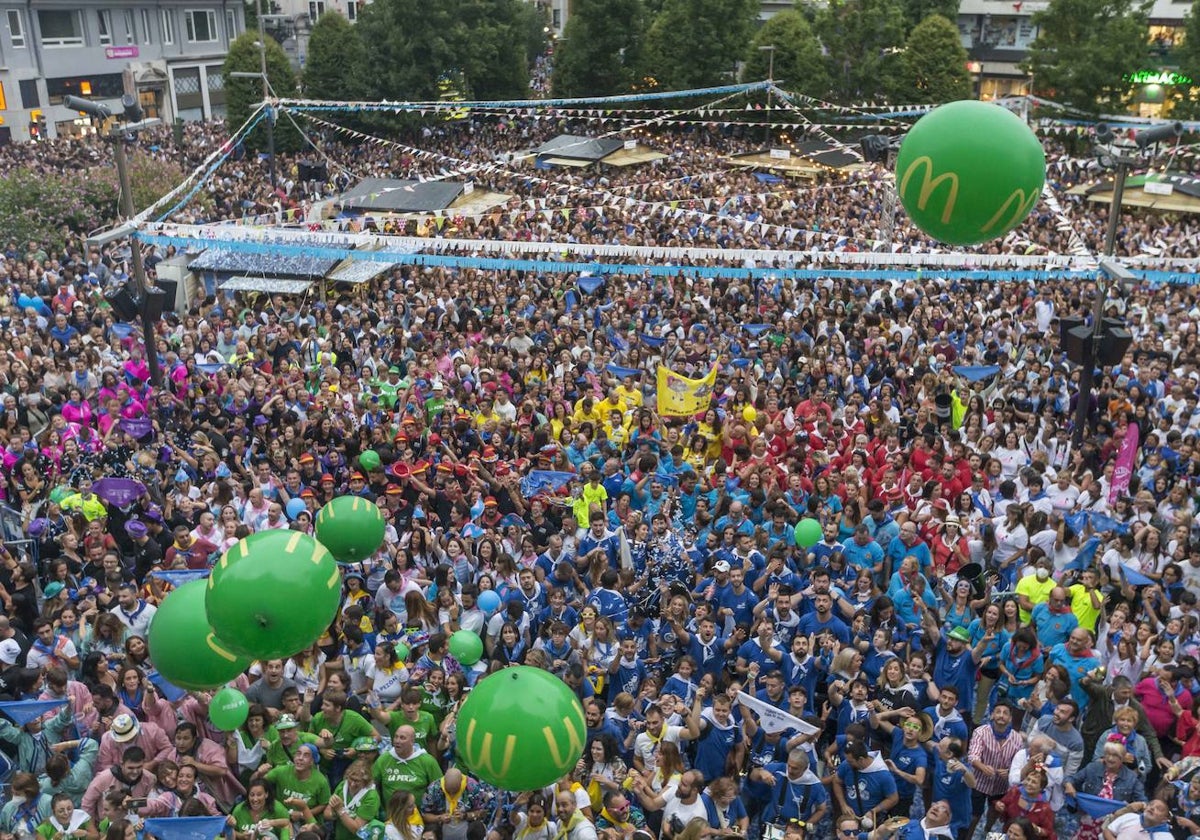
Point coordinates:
[[10, 652], [721, 566]]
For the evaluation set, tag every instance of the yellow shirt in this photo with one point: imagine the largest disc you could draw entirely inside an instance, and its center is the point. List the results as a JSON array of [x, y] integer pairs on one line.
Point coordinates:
[[631, 396], [595, 494], [1081, 605], [1037, 591]]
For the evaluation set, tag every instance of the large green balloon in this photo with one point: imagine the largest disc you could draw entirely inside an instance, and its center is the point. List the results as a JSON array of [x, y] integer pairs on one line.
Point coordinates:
[[808, 533], [184, 649], [351, 527], [369, 460], [229, 709], [273, 594], [466, 647], [968, 172], [521, 729]]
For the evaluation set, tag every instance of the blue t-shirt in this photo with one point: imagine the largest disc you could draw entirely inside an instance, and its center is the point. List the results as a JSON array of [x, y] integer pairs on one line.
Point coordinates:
[[951, 787], [793, 800], [958, 671], [811, 624], [908, 760], [865, 789], [1052, 628], [713, 748]]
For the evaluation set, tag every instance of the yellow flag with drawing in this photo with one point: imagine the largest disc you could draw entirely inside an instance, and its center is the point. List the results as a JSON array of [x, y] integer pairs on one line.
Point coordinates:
[[679, 396]]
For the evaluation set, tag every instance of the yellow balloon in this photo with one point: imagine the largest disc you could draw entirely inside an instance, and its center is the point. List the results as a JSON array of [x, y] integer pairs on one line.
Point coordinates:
[[749, 414]]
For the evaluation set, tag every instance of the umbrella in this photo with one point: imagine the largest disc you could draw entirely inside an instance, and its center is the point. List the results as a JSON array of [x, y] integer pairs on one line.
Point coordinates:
[[119, 491]]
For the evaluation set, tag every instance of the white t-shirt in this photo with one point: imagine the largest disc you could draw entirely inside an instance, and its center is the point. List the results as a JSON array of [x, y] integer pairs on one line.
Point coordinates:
[[677, 810], [644, 745]]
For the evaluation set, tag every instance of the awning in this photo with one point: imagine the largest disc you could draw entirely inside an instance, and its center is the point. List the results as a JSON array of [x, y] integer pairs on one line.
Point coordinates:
[[360, 271], [557, 161], [269, 285], [631, 157]]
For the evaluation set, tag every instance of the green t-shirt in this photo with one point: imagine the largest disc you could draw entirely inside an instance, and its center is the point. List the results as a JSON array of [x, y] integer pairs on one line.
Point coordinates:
[[436, 704], [367, 808], [48, 831], [243, 821], [277, 756], [413, 774], [425, 726], [314, 790], [351, 727]]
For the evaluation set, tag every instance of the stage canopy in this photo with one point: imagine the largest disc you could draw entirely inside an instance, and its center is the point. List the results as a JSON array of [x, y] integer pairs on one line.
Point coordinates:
[[390, 195], [1169, 192]]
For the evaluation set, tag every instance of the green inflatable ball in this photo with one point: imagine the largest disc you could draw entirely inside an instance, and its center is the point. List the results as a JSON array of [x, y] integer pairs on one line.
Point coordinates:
[[466, 647], [521, 729], [969, 172], [369, 460], [351, 527], [273, 594], [185, 651], [228, 710], [402, 652], [61, 492], [808, 533]]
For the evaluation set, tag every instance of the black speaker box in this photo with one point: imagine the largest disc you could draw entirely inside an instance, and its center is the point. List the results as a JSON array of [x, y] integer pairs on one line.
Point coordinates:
[[123, 303]]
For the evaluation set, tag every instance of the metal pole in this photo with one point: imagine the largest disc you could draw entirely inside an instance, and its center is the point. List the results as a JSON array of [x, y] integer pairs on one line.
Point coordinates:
[[770, 50], [1087, 377], [266, 92], [139, 268]]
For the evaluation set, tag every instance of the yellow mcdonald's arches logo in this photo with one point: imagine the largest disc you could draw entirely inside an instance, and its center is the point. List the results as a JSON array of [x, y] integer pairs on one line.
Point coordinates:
[[481, 761], [211, 639], [1024, 204], [292, 542], [929, 184], [563, 760]]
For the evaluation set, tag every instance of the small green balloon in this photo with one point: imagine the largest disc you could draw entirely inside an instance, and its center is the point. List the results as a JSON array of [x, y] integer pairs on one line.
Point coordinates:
[[402, 652], [369, 460], [184, 649], [273, 594], [351, 527], [808, 533], [521, 729], [969, 172], [61, 492], [228, 710], [466, 647]]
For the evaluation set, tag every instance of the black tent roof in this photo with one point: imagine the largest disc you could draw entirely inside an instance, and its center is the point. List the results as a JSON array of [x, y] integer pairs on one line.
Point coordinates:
[[574, 147], [391, 195]]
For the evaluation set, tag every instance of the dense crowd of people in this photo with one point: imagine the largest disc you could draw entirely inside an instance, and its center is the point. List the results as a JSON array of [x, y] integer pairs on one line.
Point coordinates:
[[992, 635]]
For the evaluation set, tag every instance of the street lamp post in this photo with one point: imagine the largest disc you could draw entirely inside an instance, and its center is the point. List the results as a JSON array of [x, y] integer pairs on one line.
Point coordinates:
[[266, 94], [769, 49], [117, 136]]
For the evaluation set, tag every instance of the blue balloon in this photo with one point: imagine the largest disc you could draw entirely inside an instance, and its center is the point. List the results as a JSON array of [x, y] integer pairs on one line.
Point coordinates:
[[295, 507], [488, 601]]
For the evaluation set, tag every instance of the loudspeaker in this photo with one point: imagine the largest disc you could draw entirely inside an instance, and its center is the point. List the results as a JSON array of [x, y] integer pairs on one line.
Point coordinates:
[[1065, 325], [153, 302], [1113, 345], [123, 303]]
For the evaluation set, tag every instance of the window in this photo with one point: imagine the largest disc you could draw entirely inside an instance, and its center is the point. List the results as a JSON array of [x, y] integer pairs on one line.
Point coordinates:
[[168, 26], [352, 10], [147, 32], [104, 25], [16, 28], [130, 27], [201, 26], [29, 94], [61, 28], [316, 8], [231, 30]]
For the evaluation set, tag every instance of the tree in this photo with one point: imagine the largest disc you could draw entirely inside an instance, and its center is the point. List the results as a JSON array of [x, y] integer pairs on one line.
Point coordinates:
[[698, 43], [600, 49], [799, 64], [916, 11], [337, 61], [862, 39], [1084, 50], [934, 63], [412, 44], [244, 95], [1188, 58]]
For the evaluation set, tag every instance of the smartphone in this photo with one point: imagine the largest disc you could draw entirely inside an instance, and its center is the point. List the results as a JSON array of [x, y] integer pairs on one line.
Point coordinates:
[[137, 803]]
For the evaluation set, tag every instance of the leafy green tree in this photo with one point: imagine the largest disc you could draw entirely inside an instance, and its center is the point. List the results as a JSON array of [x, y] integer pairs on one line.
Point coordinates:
[[244, 95], [799, 65], [863, 40], [698, 43], [600, 49], [1187, 97], [934, 63], [412, 43], [337, 60], [916, 11], [1084, 50]]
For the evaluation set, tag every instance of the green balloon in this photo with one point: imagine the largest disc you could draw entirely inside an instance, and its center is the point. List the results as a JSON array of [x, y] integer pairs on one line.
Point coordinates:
[[351, 527], [466, 647], [228, 710], [369, 460], [808, 533], [61, 492], [184, 650], [969, 172], [273, 594], [521, 729], [402, 652]]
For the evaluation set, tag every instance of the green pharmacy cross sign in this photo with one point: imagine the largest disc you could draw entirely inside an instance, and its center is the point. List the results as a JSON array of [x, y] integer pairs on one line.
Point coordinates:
[[1157, 77]]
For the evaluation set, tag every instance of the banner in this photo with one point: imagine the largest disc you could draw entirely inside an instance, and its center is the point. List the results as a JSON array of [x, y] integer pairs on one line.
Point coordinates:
[[1123, 468], [185, 828], [1096, 807], [679, 396], [772, 719]]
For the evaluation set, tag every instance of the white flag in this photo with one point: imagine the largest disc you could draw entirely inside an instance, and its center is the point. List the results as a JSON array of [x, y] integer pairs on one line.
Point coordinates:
[[774, 720]]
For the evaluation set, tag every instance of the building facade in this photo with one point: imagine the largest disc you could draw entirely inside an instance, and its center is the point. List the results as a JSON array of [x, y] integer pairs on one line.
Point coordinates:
[[168, 54]]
